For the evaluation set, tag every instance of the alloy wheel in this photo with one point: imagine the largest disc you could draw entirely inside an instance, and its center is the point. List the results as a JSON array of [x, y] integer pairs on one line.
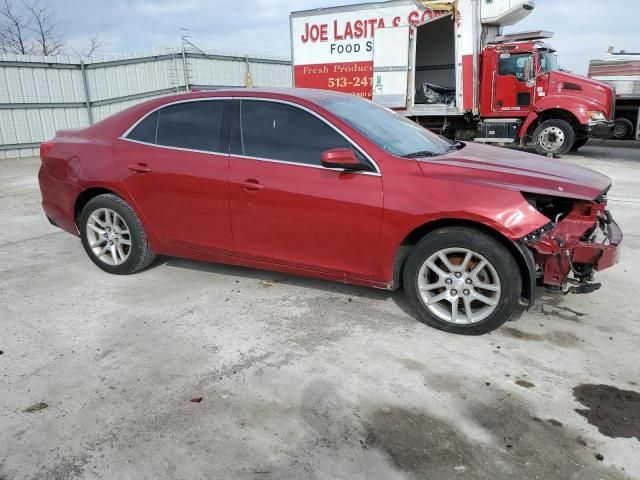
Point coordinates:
[[459, 286], [109, 236]]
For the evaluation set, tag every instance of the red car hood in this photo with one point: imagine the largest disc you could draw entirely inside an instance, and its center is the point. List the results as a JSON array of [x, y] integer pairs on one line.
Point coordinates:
[[519, 171]]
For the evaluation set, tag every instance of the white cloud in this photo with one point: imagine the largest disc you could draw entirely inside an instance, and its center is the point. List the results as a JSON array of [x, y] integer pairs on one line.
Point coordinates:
[[584, 29]]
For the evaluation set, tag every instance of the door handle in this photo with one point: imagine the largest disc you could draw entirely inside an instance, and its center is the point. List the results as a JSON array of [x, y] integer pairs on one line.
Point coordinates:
[[251, 185], [139, 168]]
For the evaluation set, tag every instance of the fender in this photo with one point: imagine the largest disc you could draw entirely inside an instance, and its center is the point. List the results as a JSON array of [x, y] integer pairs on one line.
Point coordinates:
[[153, 236], [522, 254], [528, 273], [575, 105], [532, 117]]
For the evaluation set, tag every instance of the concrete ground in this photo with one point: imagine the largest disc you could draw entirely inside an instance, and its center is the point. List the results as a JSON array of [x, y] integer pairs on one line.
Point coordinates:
[[302, 378]]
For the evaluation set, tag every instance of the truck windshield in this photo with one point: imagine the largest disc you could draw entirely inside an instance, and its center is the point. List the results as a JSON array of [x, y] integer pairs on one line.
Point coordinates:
[[548, 61], [388, 129]]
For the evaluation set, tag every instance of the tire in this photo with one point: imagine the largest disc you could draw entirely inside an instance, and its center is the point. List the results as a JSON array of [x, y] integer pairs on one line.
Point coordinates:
[[423, 285], [109, 225], [578, 144], [554, 137], [623, 129]]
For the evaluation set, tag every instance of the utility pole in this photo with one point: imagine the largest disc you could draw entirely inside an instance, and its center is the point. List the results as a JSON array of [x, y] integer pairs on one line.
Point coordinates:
[[87, 96]]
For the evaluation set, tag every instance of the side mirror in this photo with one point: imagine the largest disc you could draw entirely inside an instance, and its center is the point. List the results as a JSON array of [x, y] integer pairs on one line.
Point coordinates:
[[529, 76], [343, 158]]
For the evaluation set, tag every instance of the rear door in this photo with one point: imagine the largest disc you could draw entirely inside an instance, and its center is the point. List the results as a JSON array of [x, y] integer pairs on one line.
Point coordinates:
[[175, 165], [391, 66], [288, 209]]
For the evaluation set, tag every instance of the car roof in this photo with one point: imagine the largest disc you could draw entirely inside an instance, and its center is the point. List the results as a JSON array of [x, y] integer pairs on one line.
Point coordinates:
[[309, 94], [116, 124]]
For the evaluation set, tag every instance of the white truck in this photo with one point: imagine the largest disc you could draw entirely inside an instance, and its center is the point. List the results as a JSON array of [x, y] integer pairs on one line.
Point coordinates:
[[448, 65], [622, 71]]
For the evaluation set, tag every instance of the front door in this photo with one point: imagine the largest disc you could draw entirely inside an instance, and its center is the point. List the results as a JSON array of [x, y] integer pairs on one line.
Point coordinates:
[[512, 94], [174, 167], [288, 209]]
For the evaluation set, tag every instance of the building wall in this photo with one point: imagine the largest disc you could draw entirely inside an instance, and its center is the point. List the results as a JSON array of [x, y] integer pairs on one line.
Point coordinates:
[[39, 95]]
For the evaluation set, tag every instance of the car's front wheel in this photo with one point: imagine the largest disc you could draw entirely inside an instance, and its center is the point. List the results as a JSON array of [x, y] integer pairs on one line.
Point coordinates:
[[463, 281], [113, 236]]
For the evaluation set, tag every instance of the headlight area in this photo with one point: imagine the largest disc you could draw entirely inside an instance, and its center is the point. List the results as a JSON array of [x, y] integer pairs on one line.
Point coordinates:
[[580, 239], [597, 116]]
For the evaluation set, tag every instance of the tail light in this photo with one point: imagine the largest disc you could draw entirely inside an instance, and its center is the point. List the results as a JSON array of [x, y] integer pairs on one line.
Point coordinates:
[[45, 148]]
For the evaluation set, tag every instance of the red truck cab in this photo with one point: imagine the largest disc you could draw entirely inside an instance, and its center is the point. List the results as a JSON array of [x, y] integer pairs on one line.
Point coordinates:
[[555, 110]]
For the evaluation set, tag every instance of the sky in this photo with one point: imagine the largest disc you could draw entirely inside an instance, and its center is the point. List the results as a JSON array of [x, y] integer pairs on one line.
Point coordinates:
[[584, 29]]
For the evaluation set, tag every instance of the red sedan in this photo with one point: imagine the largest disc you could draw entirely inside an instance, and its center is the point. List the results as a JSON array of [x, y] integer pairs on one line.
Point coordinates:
[[329, 185]]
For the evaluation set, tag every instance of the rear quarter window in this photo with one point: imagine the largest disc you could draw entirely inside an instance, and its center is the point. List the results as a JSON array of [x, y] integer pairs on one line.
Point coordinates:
[[145, 131]]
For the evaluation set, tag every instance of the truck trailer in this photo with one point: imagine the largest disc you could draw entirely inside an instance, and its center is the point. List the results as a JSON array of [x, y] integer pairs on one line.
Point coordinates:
[[622, 71], [449, 66]]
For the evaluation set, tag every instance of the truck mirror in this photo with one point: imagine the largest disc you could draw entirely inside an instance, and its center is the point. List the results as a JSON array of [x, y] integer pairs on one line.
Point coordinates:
[[529, 76]]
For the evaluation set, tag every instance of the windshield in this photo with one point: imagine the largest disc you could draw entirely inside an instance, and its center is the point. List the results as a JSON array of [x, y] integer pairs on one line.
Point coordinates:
[[386, 128], [548, 61]]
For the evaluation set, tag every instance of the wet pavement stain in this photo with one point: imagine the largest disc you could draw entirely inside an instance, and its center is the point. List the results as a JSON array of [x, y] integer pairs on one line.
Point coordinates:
[[416, 442], [522, 446], [353, 438], [557, 337], [615, 412]]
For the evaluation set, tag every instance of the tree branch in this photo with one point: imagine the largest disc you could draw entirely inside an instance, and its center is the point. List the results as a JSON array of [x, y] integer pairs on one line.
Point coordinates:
[[46, 28], [13, 30]]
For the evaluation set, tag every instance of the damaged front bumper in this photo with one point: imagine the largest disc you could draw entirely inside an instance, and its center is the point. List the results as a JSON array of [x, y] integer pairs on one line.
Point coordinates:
[[568, 252], [600, 129]]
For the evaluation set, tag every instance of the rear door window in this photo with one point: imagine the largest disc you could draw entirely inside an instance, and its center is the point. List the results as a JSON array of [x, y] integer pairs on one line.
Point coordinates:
[[278, 131], [191, 125]]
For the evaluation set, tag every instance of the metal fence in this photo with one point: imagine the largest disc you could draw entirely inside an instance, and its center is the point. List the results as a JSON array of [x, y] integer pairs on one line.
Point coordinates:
[[626, 88], [39, 95]]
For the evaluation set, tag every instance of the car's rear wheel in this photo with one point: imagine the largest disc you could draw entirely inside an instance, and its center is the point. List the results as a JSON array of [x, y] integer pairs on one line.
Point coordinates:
[[113, 236], [463, 281]]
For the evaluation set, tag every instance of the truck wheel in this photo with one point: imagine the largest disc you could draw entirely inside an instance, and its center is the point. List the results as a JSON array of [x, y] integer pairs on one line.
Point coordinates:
[[622, 130], [554, 137], [462, 281], [578, 144]]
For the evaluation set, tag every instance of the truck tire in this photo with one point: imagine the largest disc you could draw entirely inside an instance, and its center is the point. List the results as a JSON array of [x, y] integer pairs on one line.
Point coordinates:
[[462, 281], [555, 137], [623, 129]]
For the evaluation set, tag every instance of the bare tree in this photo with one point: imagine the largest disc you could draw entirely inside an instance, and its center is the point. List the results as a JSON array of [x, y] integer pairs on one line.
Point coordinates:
[[32, 27], [95, 45], [14, 29], [46, 27]]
